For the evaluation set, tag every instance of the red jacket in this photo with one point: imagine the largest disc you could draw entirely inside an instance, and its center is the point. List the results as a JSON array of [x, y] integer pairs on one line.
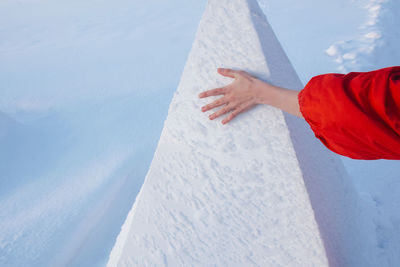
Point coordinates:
[[356, 115]]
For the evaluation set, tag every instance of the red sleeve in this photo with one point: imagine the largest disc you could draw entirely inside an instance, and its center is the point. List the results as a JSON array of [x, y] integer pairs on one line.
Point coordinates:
[[356, 115]]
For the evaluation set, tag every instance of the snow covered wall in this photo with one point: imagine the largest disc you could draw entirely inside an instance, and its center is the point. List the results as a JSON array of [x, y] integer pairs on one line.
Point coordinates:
[[260, 191]]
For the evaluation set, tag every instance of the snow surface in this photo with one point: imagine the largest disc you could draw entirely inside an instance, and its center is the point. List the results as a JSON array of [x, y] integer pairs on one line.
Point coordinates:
[[86, 83], [375, 46], [307, 28], [203, 203], [77, 78]]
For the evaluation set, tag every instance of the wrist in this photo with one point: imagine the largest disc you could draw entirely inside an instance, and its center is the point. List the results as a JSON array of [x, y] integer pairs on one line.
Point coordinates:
[[267, 93]]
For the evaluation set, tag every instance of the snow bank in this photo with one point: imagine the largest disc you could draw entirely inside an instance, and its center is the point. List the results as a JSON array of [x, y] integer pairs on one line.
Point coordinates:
[[260, 191]]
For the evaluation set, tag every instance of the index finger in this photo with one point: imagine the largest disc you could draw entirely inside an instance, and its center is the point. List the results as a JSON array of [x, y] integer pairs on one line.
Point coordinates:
[[216, 91]]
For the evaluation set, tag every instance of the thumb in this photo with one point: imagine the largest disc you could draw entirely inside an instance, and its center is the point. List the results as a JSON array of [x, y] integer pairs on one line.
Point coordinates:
[[227, 72]]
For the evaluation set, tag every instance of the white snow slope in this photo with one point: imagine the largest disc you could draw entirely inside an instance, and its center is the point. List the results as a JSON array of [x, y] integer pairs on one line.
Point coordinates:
[[87, 84], [259, 192]]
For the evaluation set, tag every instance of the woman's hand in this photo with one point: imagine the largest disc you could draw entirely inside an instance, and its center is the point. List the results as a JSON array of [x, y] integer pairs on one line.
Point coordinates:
[[239, 96], [247, 91]]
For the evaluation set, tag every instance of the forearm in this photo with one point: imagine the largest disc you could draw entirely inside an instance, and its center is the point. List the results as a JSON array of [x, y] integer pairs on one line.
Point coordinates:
[[282, 98]]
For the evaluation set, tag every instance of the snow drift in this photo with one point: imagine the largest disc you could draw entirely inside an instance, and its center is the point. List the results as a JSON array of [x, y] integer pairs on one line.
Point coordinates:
[[260, 191]]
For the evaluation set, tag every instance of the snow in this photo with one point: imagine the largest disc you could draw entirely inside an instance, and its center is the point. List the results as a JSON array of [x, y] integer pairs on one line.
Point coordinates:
[[77, 79], [375, 44], [6, 124], [307, 28], [85, 88], [288, 202]]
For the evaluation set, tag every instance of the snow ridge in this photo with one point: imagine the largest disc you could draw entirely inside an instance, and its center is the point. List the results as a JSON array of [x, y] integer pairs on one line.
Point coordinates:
[[261, 191], [203, 202]]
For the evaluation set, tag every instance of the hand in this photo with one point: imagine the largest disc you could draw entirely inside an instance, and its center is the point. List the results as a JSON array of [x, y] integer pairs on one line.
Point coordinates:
[[247, 91], [242, 94]]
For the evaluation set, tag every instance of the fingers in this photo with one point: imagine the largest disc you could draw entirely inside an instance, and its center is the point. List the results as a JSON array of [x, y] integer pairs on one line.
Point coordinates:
[[212, 92], [220, 112], [233, 114], [220, 91], [236, 110], [216, 103], [228, 72]]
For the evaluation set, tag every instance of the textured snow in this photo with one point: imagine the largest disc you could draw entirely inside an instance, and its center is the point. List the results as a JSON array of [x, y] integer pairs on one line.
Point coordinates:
[[260, 191]]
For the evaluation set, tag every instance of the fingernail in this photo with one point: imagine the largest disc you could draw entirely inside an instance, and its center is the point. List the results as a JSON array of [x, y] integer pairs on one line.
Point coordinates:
[[211, 117]]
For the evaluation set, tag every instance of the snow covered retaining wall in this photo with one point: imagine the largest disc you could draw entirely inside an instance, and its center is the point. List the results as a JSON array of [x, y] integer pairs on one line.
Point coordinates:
[[259, 191]]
